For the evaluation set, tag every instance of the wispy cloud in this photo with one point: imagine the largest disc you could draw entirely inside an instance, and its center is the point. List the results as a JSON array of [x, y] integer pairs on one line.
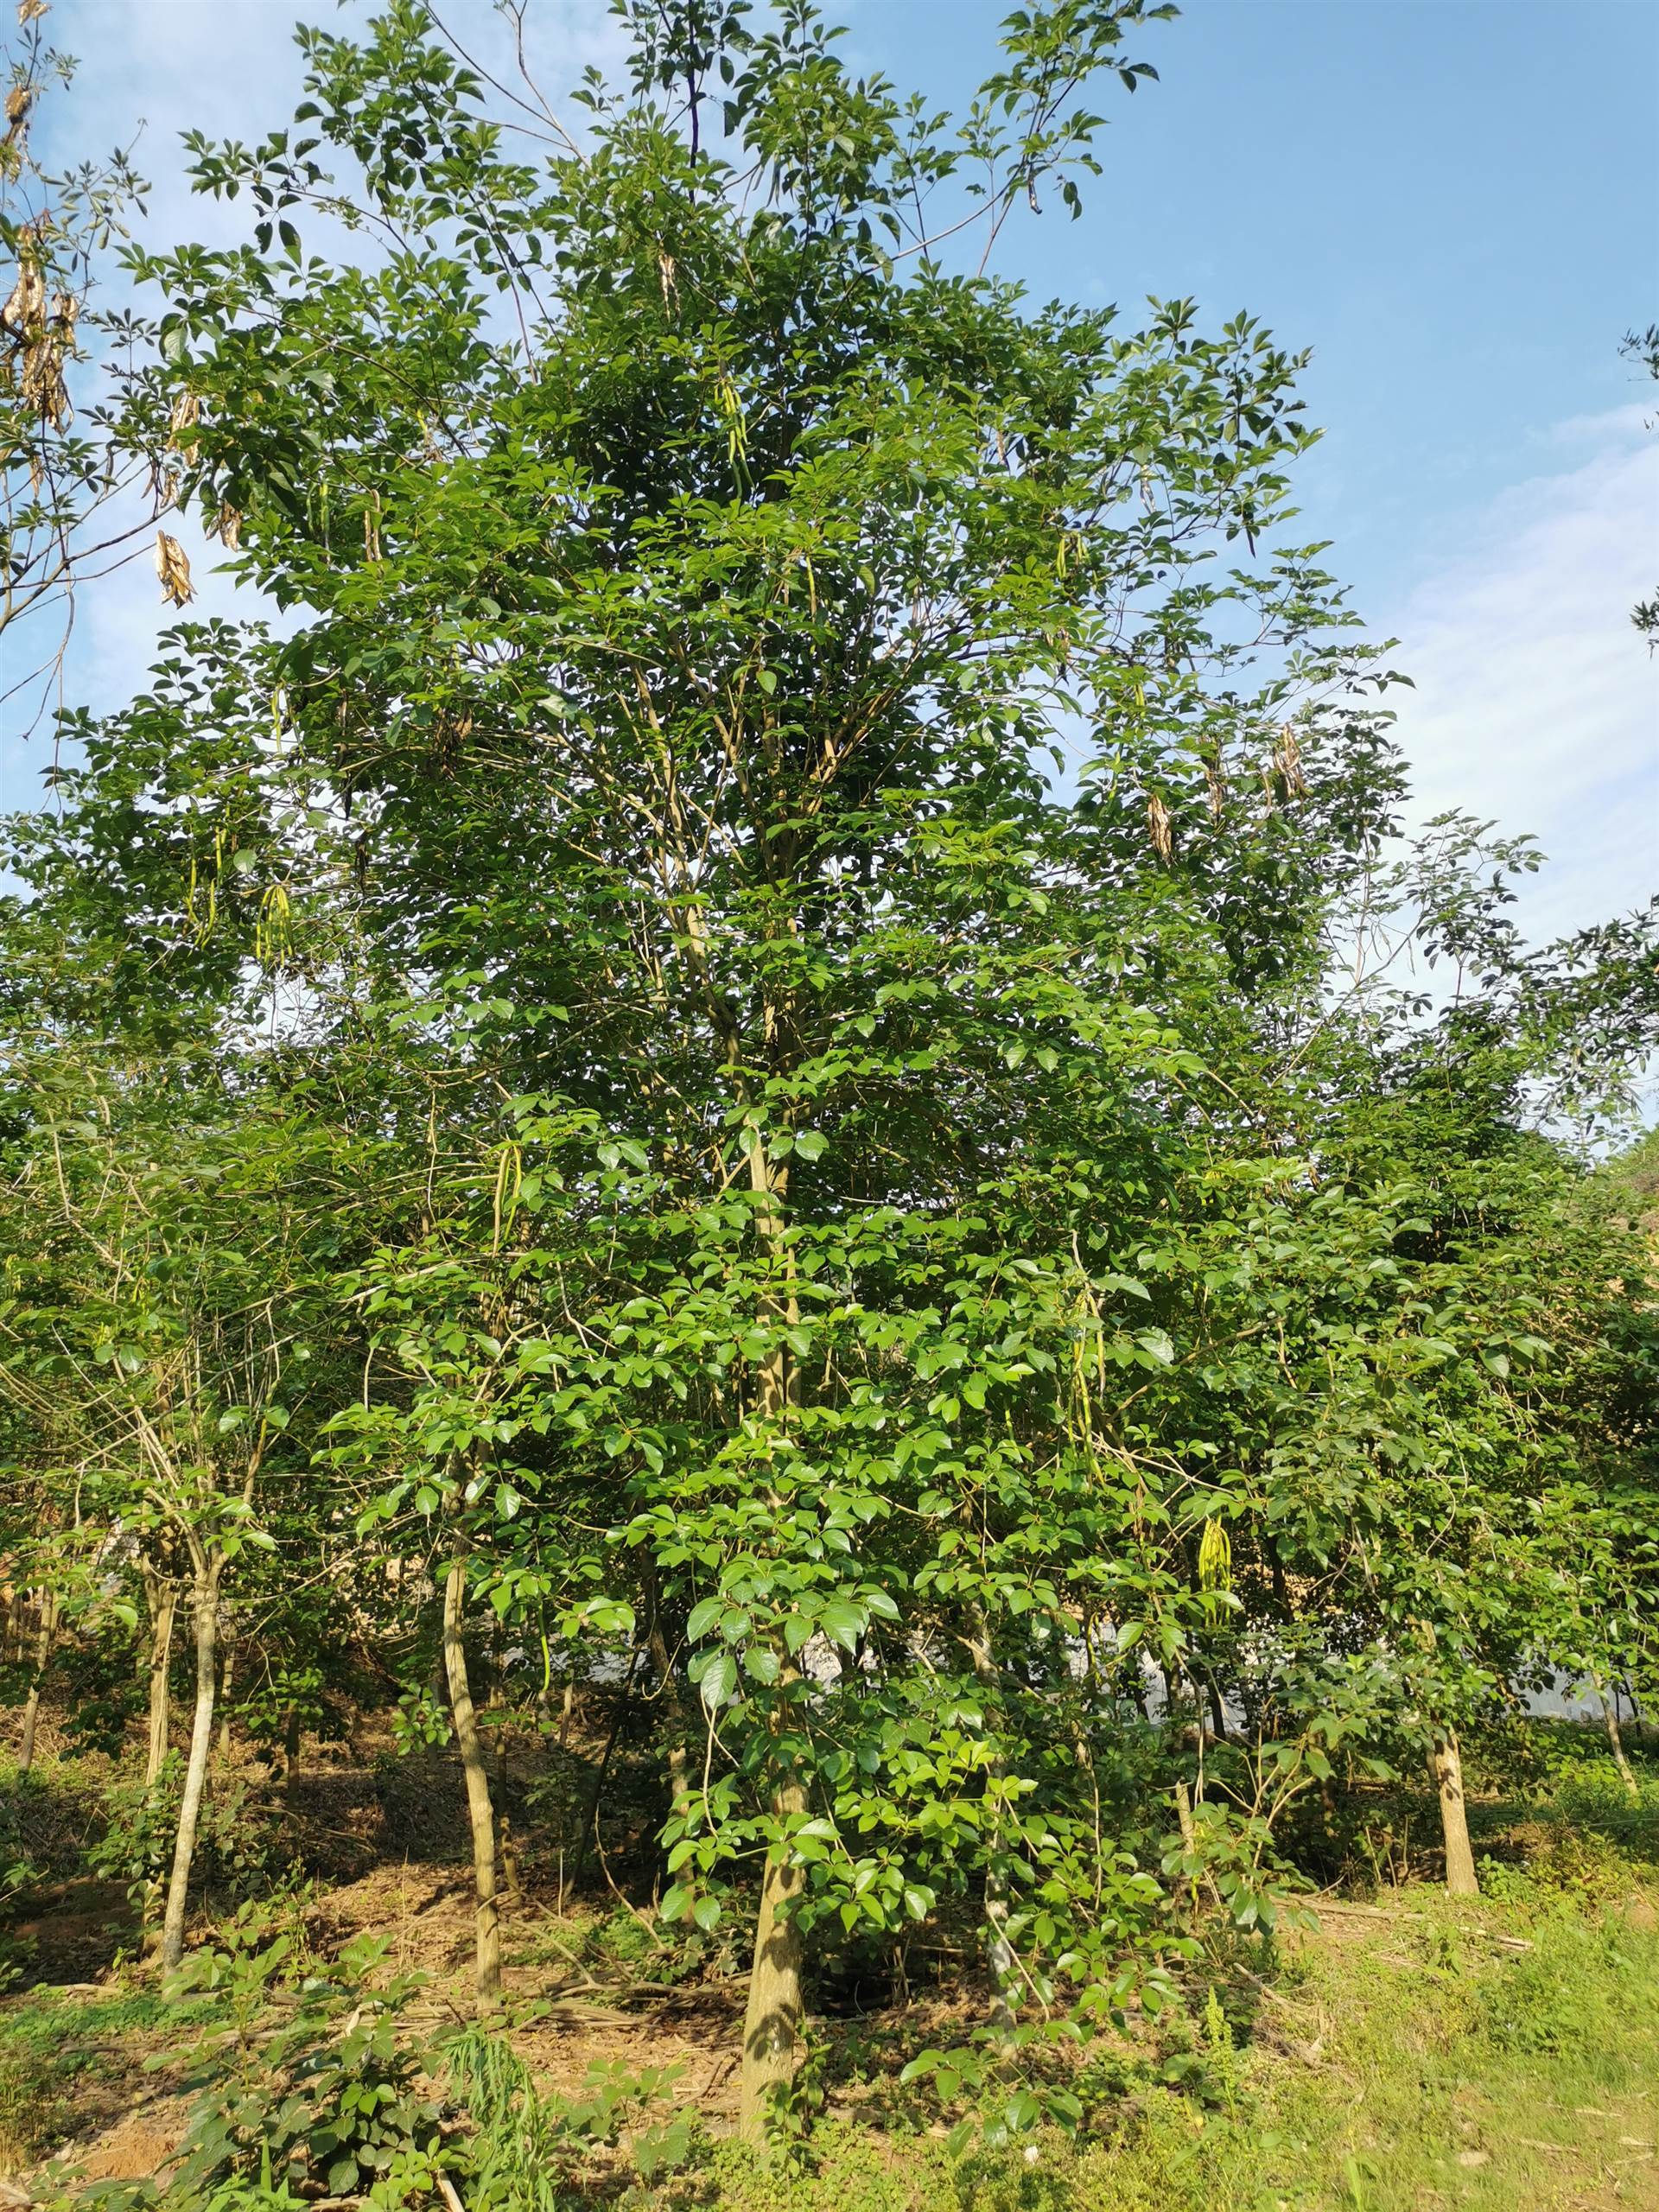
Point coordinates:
[[1536, 704]]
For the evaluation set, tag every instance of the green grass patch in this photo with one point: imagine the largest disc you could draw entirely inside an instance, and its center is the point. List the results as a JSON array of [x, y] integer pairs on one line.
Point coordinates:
[[1416, 2060]]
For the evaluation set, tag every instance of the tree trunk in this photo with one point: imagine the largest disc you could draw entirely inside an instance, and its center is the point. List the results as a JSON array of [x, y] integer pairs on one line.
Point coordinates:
[[291, 1750], [772, 2021], [1615, 1740], [1217, 1711], [679, 1788], [205, 1606], [164, 1604], [1446, 1765], [999, 1951], [771, 2025], [43, 1644], [487, 1920], [510, 1883], [226, 1676]]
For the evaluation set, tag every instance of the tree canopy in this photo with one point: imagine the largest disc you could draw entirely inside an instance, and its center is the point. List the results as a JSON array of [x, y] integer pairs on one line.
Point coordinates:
[[774, 1032]]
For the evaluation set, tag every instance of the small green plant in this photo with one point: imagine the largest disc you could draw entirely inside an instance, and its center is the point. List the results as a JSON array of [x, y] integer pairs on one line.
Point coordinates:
[[331, 2102], [528, 2150], [420, 1721], [793, 2111], [236, 1851], [1004, 2079]]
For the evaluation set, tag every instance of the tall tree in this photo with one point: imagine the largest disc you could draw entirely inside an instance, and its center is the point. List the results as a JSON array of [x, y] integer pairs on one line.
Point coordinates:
[[686, 653]]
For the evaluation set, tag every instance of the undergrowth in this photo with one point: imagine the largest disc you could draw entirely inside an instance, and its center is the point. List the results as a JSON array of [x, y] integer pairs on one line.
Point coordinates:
[[1411, 2052]]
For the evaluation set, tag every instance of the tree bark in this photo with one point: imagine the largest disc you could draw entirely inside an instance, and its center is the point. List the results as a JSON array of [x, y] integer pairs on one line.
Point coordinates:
[[1615, 1740], [164, 1604], [510, 1883], [772, 2023], [679, 1788], [1446, 1765], [480, 1814], [291, 1750], [774, 2018], [205, 1606], [999, 1951], [226, 1676], [43, 1642]]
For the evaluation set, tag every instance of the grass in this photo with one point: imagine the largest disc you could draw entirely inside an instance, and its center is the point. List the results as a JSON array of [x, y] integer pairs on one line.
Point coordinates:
[[61, 2056], [1406, 2062]]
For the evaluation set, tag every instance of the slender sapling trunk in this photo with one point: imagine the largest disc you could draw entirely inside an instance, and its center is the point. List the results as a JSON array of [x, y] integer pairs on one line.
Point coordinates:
[[227, 1677], [775, 2013], [1615, 1740], [164, 1604], [43, 1642], [679, 1786], [291, 1750], [204, 1608], [481, 1814], [999, 1950], [1446, 1765]]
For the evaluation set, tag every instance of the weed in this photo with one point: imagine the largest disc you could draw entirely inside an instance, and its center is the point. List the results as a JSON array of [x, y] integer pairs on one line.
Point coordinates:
[[36, 2110]]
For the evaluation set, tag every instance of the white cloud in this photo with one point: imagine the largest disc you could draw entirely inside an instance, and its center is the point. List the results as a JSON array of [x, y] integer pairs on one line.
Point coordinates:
[[1536, 704]]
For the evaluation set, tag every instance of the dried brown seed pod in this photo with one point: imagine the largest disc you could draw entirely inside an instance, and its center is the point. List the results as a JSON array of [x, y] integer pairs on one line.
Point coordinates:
[[1160, 828], [19, 100], [187, 413], [1288, 760], [43, 387], [25, 307], [174, 569]]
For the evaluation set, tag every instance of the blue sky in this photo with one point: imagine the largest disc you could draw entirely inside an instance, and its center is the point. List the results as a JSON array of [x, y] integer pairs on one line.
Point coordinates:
[[1452, 202]]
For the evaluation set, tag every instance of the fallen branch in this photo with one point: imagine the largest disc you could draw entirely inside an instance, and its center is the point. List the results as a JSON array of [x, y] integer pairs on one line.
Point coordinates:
[[1379, 1912]]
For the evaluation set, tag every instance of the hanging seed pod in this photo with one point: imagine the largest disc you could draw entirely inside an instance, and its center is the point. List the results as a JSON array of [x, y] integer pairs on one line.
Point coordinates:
[[30, 11], [1215, 1568], [19, 100], [273, 932], [187, 413], [372, 527], [1288, 760], [48, 348], [1160, 828], [174, 569], [25, 307], [665, 266], [43, 387], [1215, 792], [226, 526]]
